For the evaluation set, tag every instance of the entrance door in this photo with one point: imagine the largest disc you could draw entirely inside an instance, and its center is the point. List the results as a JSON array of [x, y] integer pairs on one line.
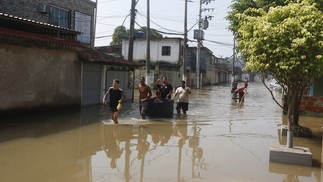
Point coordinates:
[[91, 84]]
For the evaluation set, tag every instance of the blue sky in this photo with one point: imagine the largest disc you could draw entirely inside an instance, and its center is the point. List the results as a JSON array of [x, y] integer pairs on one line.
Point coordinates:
[[168, 16]]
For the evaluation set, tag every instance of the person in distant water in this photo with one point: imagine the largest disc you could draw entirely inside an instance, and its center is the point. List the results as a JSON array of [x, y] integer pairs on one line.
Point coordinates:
[[240, 93], [234, 86], [116, 96], [182, 92], [246, 83], [144, 96], [165, 88]]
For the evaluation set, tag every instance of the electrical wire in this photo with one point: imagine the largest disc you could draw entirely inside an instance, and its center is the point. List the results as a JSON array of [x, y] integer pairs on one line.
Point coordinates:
[[176, 32]]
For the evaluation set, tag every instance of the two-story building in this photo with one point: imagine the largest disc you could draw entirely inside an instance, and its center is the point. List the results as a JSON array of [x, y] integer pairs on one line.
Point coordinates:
[[166, 58], [47, 58]]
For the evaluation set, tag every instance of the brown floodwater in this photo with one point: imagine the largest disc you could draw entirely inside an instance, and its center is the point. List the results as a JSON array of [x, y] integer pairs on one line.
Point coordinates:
[[216, 141]]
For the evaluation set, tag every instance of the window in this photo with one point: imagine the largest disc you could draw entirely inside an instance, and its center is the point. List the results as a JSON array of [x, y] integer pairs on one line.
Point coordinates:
[[166, 51], [59, 17], [83, 25]]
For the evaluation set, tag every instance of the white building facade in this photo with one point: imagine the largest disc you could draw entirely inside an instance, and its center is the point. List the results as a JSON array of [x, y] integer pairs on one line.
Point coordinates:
[[166, 58]]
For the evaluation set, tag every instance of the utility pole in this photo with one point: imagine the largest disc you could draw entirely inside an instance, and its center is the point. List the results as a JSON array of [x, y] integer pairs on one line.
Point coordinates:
[[199, 35], [131, 33], [198, 51], [184, 77], [233, 58], [148, 45]]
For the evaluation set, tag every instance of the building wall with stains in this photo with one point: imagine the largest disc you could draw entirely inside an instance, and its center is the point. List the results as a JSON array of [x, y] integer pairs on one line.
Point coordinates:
[[33, 77]]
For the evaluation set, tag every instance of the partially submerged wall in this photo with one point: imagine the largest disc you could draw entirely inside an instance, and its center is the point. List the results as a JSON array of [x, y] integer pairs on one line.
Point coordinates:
[[37, 78]]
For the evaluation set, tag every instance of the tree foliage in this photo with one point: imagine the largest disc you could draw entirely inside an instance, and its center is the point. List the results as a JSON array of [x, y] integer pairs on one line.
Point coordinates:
[[154, 34], [240, 6], [121, 32], [285, 42]]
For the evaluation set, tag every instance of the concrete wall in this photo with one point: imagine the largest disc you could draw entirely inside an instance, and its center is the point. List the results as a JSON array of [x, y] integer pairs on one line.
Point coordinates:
[[37, 77]]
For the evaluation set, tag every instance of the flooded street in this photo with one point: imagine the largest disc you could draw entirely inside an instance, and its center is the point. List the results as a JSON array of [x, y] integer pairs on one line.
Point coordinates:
[[216, 141]]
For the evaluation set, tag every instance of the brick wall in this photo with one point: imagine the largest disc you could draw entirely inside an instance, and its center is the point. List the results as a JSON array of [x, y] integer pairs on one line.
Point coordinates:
[[312, 104]]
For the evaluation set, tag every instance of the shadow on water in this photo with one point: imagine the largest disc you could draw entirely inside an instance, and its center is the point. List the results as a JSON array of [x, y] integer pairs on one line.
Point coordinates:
[[217, 141], [39, 124]]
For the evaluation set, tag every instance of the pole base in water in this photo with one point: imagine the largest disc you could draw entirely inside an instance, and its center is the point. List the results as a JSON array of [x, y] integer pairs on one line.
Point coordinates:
[[295, 155]]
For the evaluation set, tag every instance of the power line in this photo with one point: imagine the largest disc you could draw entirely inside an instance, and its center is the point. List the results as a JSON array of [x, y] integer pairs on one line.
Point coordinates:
[[177, 32], [221, 43], [103, 37]]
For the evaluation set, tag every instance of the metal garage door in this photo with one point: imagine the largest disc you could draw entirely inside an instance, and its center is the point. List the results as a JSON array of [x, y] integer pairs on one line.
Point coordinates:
[[91, 84]]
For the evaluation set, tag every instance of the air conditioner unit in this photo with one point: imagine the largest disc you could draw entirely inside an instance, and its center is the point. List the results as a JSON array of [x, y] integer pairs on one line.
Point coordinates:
[[43, 8]]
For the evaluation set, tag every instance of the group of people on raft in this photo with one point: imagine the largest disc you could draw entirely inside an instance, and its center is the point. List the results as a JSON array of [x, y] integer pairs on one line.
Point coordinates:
[[164, 91]]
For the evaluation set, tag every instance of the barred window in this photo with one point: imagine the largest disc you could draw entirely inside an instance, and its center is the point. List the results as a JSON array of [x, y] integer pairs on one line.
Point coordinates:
[[166, 50]]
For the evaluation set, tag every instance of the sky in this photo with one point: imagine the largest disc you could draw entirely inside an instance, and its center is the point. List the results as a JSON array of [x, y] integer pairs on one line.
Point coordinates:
[[168, 16]]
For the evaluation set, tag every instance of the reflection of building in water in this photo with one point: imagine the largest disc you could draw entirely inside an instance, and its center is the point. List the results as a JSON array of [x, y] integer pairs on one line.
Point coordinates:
[[142, 145], [123, 141], [197, 160]]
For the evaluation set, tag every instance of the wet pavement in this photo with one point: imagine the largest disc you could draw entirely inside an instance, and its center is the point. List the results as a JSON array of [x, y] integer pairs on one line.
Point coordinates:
[[216, 141]]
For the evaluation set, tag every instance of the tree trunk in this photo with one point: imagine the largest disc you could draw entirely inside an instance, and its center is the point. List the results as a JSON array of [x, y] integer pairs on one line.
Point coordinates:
[[293, 114]]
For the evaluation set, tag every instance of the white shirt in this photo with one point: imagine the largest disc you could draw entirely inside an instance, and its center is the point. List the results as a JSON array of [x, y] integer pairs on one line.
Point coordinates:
[[182, 94]]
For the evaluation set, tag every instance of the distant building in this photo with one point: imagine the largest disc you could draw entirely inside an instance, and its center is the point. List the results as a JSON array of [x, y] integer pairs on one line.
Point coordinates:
[[213, 70], [166, 56], [166, 59]]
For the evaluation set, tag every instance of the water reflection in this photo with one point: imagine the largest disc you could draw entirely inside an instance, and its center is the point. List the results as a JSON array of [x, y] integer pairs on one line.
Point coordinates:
[[216, 141], [147, 145]]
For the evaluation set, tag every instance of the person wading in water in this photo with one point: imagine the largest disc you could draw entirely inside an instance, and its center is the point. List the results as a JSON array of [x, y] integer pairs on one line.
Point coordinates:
[[144, 96]]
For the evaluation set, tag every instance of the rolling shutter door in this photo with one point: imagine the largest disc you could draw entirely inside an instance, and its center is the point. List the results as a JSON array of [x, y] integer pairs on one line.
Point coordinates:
[[91, 84]]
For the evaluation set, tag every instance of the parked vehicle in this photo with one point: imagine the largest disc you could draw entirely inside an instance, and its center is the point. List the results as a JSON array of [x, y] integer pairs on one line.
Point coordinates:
[[274, 85]]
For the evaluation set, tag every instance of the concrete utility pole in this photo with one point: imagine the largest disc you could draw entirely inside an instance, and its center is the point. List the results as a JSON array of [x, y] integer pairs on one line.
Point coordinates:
[[184, 77], [200, 36], [233, 58], [198, 51], [131, 33], [148, 45]]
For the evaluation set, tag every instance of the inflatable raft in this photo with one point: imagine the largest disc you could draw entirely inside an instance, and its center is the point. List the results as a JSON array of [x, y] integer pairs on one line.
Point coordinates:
[[162, 109]]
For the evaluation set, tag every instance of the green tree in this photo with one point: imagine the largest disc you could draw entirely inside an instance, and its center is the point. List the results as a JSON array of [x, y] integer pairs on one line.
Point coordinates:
[[154, 34], [240, 6], [285, 42], [121, 33]]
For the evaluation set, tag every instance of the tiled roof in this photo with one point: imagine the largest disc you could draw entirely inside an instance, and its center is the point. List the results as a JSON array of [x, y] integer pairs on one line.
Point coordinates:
[[34, 22], [33, 39], [94, 56]]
